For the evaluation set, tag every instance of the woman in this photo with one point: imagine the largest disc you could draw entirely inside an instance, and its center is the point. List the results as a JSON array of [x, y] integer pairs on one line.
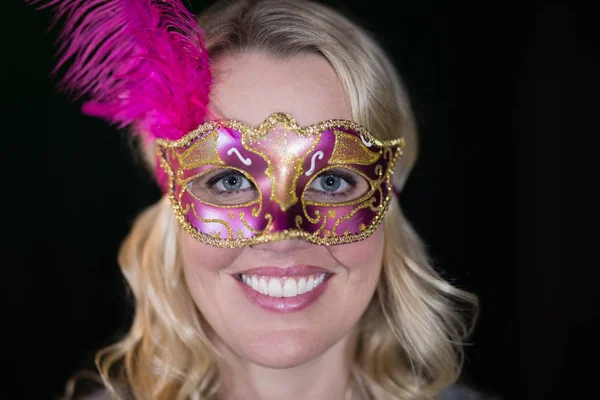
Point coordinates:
[[278, 263]]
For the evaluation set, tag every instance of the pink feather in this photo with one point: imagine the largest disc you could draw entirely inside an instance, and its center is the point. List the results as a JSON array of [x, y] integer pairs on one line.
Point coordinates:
[[138, 62]]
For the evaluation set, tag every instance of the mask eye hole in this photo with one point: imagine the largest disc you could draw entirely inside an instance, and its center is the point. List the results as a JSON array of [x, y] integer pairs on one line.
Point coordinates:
[[224, 186], [336, 185]]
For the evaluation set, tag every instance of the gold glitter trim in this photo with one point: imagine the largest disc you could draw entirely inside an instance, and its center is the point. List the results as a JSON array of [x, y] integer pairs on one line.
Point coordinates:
[[349, 149], [203, 152], [209, 126]]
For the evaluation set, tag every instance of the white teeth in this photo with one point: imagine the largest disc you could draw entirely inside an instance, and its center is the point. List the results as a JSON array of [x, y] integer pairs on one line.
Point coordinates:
[[290, 289], [302, 286], [263, 286], [273, 287]]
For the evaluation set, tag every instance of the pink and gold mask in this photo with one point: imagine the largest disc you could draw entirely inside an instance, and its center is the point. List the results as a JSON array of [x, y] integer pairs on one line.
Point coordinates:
[[234, 185]]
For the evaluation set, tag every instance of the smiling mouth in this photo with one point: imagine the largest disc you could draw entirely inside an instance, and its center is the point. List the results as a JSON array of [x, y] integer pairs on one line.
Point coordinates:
[[283, 286]]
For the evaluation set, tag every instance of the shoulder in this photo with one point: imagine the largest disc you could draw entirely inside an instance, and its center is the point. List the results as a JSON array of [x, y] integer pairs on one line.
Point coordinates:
[[461, 392], [453, 392], [103, 394], [99, 395]]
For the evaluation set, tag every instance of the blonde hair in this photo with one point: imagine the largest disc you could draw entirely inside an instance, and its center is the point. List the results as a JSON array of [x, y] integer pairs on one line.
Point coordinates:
[[411, 336]]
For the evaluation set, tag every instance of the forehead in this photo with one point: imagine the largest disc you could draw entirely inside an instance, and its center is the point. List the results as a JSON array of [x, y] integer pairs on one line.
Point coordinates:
[[251, 85]]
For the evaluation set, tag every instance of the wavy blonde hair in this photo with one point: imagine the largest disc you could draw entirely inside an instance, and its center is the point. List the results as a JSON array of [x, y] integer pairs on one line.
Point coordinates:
[[410, 339]]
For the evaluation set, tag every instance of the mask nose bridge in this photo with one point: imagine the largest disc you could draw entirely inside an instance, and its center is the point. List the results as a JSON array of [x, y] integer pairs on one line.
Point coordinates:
[[283, 219]]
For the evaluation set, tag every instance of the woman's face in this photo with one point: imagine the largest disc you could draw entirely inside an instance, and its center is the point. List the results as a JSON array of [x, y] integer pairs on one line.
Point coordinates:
[[248, 87]]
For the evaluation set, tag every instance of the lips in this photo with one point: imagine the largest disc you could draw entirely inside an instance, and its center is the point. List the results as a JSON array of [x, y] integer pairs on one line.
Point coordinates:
[[284, 289]]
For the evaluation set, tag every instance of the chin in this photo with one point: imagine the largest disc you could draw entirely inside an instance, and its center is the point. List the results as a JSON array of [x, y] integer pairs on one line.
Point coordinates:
[[282, 350]]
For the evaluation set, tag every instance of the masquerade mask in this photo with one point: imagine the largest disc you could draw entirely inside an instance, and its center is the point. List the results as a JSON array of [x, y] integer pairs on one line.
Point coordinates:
[[234, 185]]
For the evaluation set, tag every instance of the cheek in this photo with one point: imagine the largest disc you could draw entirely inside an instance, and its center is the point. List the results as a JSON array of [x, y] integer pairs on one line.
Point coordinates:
[[362, 258], [200, 258], [205, 270]]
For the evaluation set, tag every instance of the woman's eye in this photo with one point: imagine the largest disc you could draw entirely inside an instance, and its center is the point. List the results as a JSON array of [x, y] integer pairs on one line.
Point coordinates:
[[336, 186], [225, 187], [331, 183], [234, 181]]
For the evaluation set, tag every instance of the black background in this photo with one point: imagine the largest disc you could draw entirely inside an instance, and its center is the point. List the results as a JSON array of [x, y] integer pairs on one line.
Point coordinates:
[[505, 97]]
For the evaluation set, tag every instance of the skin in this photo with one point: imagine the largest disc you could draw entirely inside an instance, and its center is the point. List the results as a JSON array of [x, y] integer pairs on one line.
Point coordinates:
[[298, 355]]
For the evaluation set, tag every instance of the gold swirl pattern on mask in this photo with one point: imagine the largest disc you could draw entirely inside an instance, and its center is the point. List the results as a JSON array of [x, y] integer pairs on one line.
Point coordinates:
[[203, 152], [378, 206], [388, 154], [379, 172], [298, 220], [215, 221], [365, 232], [182, 190], [367, 203], [349, 149], [312, 220], [184, 210], [330, 214], [268, 217]]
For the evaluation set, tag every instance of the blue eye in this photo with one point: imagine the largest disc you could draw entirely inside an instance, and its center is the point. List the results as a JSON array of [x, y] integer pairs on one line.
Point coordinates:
[[229, 181], [336, 186], [232, 182], [224, 186], [333, 182]]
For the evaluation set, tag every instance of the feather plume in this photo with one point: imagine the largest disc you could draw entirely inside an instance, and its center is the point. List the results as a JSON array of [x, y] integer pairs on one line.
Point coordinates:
[[136, 62]]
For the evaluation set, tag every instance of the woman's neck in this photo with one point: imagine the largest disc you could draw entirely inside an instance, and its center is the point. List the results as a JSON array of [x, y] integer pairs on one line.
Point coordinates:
[[326, 377]]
